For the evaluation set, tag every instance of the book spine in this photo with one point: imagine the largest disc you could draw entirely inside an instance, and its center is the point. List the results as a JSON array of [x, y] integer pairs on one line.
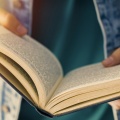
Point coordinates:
[[44, 113], [40, 111]]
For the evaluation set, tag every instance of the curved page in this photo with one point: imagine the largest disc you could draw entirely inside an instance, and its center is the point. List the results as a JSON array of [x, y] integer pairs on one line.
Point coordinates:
[[42, 66]]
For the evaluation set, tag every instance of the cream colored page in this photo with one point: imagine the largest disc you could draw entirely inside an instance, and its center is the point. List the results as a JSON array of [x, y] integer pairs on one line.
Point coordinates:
[[42, 62], [21, 76], [87, 76], [15, 82]]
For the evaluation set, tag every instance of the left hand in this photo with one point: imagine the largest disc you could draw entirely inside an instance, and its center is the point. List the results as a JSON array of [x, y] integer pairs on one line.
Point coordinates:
[[112, 60], [10, 22]]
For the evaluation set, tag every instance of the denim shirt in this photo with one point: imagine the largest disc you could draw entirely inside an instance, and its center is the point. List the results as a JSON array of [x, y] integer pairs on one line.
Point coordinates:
[[108, 13]]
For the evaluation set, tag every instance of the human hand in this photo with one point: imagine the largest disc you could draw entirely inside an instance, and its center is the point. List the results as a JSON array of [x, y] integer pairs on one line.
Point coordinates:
[[114, 59], [10, 22]]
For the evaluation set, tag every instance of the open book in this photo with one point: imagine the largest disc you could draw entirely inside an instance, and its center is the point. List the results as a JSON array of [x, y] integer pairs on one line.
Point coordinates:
[[37, 75]]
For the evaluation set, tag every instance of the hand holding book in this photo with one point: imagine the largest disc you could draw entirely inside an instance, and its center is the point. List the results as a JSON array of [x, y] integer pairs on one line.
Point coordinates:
[[37, 75], [113, 60], [20, 30]]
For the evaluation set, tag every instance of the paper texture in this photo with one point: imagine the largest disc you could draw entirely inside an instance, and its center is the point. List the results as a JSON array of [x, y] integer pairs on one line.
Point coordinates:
[[38, 58], [21, 76], [87, 76]]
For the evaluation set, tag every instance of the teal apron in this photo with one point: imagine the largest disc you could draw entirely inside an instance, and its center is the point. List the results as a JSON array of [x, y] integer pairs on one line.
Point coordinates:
[[69, 28]]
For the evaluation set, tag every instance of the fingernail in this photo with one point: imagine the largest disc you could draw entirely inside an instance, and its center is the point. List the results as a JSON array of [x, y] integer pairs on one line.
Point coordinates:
[[109, 60], [21, 29]]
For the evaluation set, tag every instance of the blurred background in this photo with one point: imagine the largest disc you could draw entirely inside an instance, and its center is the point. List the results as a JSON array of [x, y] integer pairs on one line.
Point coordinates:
[[2, 3]]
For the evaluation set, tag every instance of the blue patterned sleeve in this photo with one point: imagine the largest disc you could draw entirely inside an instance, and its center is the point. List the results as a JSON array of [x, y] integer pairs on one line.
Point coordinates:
[[110, 16]]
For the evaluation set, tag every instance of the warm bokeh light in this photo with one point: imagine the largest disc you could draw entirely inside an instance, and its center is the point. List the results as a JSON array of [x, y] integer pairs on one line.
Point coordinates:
[[2, 3]]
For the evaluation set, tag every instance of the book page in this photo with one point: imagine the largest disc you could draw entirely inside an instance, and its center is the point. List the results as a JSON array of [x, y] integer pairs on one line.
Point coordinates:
[[21, 76], [38, 61], [82, 98], [87, 76], [14, 82], [86, 104]]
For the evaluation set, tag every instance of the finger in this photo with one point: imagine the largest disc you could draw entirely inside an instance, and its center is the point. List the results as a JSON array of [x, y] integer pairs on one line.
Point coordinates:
[[112, 60], [115, 104], [10, 22]]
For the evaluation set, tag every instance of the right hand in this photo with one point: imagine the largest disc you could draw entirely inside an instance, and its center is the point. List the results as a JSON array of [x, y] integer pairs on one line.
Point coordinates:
[[10, 22], [112, 60]]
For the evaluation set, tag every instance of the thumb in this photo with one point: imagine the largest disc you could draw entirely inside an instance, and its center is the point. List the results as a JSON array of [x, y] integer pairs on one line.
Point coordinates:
[[112, 60], [10, 22]]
